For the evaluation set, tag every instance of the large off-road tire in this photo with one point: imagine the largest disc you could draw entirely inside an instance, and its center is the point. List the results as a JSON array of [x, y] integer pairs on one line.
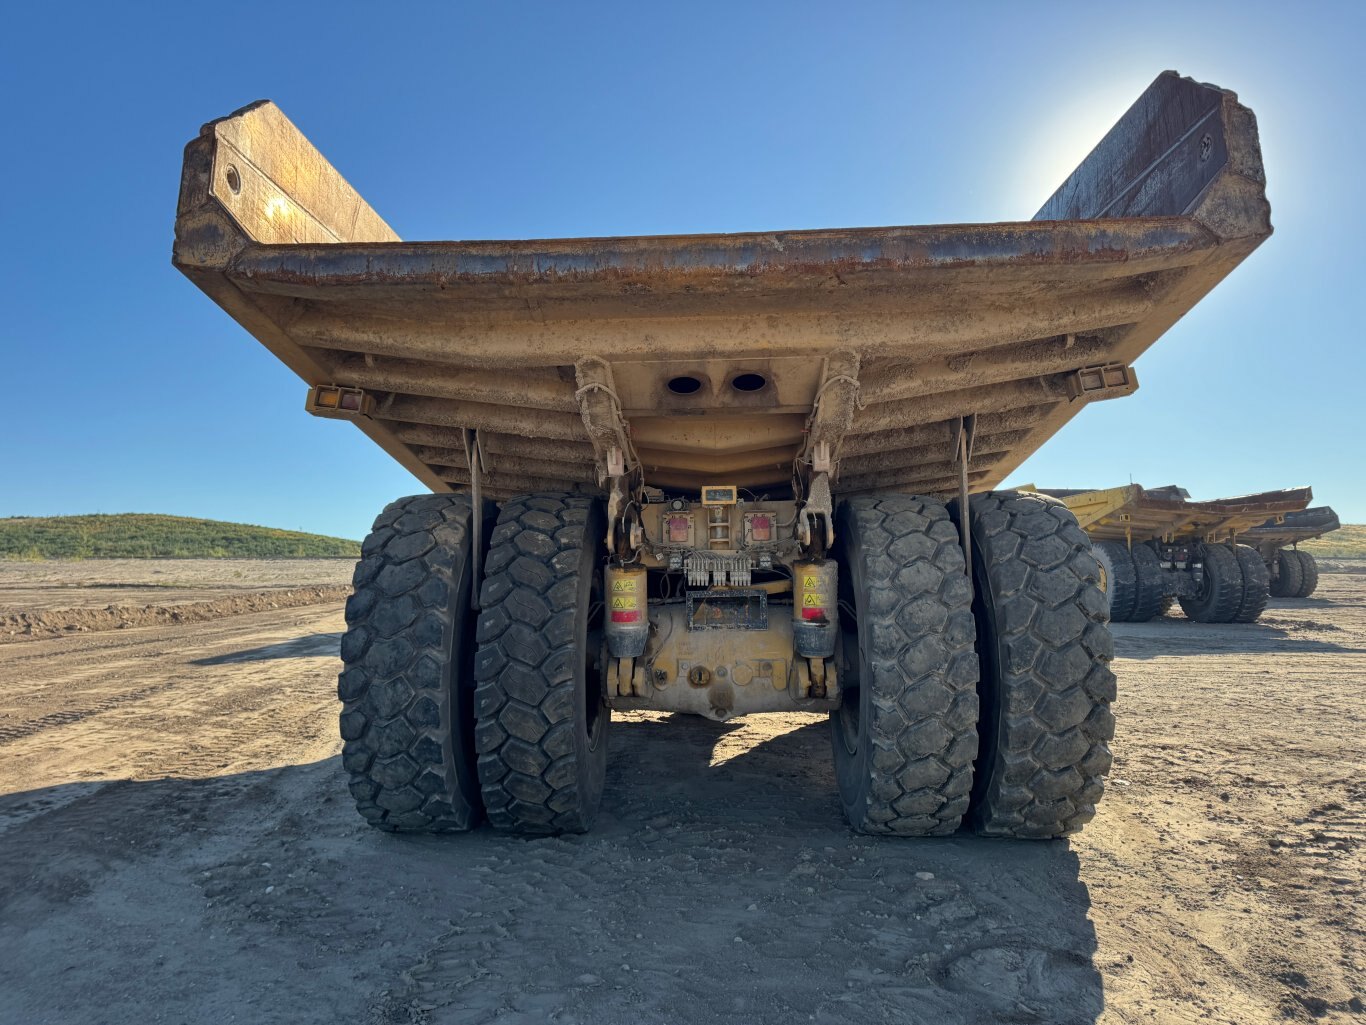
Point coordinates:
[[1150, 599], [1046, 684], [1309, 574], [540, 708], [906, 734], [407, 689], [1117, 578], [1289, 574], [1221, 588], [1256, 584]]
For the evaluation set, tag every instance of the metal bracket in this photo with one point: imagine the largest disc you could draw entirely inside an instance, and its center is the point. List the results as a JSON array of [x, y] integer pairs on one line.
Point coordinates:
[[474, 458], [602, 418], [1104, 381], [965, 435], [817, 518], [832, 414]]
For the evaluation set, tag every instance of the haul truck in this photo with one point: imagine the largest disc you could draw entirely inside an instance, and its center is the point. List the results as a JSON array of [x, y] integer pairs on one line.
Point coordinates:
[[1293, 573], [1156, 547], [723, 474]]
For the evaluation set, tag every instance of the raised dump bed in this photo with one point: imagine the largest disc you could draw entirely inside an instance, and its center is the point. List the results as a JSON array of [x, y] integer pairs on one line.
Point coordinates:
[[724, 463], [1294, 574], [1156, 546]]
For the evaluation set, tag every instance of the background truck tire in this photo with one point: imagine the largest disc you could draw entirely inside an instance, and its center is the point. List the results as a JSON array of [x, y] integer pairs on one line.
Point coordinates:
[[1256, 584], [541, 716], [1221, 592], [1309, 574], [1117, 578], [1046, 684], [1289, 574], [906, 735], [407, 721], [1149, 599]]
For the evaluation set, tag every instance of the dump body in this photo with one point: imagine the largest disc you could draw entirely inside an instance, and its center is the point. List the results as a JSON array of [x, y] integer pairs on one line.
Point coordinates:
[[727, 357], [1292, 529], [1132, 513]]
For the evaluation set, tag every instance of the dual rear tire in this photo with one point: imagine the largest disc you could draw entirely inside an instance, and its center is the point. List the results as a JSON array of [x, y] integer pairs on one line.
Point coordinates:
[[1297, 574], [1234, 586], [451, 714], [987, 705]]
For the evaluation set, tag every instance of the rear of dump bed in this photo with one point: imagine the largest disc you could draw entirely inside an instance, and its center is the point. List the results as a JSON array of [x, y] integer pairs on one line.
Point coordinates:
[[1158, 546], [723, 465]]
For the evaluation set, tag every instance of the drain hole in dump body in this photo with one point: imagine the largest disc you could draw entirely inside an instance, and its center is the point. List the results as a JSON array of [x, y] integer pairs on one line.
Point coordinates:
[[684, 384], [749, 382]]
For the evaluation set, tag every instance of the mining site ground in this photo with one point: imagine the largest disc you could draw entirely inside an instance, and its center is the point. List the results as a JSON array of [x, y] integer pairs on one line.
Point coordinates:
[[177, 845]]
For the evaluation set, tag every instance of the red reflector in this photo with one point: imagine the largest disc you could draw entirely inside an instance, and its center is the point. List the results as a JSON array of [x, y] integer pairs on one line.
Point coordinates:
[[762, 528], [626, 617], [813, 613]]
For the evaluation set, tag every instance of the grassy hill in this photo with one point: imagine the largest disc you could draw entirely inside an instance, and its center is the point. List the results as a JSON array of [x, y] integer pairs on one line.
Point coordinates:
[[149, 536], [1347, 542]]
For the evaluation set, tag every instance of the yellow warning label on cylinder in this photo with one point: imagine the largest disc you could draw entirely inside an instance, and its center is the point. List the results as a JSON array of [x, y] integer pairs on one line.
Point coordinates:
[[813, 600], [810, 583], [624, 584], [624, 602]]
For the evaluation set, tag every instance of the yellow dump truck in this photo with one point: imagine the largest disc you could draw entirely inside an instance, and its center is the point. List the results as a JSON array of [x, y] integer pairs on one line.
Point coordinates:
[[723, 474], [1293, 573], [1157, 547]]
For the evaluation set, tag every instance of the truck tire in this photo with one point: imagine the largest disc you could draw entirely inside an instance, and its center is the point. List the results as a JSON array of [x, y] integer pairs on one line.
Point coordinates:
[[1221, 589], [1150, 601], [407, 693], [1256, 584], [1046, 684], [541, 714], [1117, 579], [1309, 574], [906, 734], [1289, 574]]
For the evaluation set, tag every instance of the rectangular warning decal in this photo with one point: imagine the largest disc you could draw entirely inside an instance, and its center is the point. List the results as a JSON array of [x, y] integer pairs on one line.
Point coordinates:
[[623, 584]]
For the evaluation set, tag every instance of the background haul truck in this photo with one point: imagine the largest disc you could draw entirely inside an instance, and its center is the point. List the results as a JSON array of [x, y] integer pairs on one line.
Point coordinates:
[[1156, 547], [732, 473]]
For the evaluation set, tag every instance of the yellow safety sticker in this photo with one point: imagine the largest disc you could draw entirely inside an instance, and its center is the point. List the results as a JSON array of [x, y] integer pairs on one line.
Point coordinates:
[[625, 602], [624, 584], [810, 583], [813, 600]]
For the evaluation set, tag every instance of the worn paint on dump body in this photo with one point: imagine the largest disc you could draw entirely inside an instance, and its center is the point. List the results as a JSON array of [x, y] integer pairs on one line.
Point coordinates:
[[941, 321]]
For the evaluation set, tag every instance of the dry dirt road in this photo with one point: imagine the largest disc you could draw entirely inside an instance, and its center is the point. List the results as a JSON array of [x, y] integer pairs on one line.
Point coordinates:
[[178, 846]]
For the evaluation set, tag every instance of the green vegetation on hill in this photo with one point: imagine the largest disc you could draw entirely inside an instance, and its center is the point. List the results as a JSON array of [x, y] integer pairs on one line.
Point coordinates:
[[149, 536], [1347, 542]]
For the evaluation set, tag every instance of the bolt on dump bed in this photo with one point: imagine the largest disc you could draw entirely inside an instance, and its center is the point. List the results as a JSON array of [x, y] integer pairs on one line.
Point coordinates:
[[734, 473]]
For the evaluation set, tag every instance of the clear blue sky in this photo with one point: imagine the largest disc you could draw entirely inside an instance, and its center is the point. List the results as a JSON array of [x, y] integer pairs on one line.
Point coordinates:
[[545, 120]]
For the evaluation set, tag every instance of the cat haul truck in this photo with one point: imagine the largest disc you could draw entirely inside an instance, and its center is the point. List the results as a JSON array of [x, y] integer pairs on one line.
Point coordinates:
[[1157, 547], [727, 474]]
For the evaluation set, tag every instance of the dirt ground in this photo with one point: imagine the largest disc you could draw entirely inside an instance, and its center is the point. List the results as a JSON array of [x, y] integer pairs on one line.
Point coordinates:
[[179, 846]]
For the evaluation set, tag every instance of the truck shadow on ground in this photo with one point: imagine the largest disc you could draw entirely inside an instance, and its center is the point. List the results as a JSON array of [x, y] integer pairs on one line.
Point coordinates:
[[301, 647], [720, 883], [1178, 636]]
